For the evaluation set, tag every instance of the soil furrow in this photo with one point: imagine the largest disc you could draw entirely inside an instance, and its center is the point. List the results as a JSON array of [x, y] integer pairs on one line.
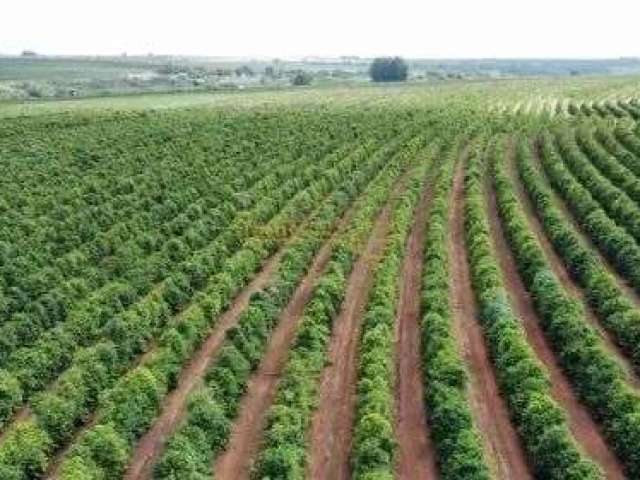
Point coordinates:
[[151, 444], [416, 458], [330, 435], [236, 461], [558, 266], [505, 455], [582, 426]]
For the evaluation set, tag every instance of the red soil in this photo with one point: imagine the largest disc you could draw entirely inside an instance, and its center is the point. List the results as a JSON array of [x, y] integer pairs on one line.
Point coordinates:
[[331, 427], [236, 461], [505, 455], [416, 456], [582, 426], [151, 444]]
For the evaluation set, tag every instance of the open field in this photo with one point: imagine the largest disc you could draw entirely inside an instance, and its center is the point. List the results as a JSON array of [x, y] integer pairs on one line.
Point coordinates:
[[409, 281]]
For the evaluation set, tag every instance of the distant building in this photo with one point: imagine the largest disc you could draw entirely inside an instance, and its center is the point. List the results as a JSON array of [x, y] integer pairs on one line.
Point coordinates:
[[28, 53]]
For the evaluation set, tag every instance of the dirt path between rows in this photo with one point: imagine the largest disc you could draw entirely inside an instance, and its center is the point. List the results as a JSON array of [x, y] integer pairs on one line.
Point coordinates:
[[582, 426], [504, 453], [331, 433], [236, 461], [152, 443], [557, 264], [416, 457]]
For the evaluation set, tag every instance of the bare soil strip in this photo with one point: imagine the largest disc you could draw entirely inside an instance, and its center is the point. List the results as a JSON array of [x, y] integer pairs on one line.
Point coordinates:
[[331, 426], [416, 454], [502, 445], [151, 444], [236, 461], [558, 267], [582, 426]]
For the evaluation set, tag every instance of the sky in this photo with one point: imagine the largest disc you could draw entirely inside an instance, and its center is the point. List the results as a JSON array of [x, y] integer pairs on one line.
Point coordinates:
[[290, 28]]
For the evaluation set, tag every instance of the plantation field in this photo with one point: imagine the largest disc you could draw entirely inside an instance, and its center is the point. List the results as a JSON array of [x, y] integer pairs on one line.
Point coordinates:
[[413, 282]]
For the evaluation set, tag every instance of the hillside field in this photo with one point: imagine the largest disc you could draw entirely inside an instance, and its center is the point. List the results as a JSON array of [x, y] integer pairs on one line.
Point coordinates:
[[343, 282]]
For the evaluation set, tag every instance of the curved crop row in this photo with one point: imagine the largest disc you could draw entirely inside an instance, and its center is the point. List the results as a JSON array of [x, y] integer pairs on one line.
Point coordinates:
[[457, 441], [216, 406], [289, 416], [77, 392], [610, 167], [616, 202], [586, 109], [161, 190], [615, 310], [230, 382], [628, 138], [609, 141], [597, 379], [614, 241], [131, 328], [614, 109], [374, 442], [138, 271], [541, 422], [601, 109], [628, 107]]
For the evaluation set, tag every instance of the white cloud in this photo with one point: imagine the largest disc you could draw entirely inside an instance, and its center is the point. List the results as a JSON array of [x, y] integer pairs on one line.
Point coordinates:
[[453, 28]]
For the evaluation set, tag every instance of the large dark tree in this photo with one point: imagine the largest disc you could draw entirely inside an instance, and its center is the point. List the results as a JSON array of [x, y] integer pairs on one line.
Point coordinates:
[[389, 69]]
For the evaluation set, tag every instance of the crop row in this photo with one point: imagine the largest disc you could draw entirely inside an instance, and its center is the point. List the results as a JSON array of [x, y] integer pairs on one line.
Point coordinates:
[[76, 393], [615, 202], [630, 108], [283, 454], [373, 453], [136, 273], [614, 309], [168, 189], [251, 331], [618, 174], [628, 139], [456, 439], [130, 329], [165, 188], [596, 377], [140, 271], [615, 148], [524, 382]]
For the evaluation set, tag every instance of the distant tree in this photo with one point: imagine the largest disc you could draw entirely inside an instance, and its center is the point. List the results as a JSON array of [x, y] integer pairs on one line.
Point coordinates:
[[301, 78], [389, 69]]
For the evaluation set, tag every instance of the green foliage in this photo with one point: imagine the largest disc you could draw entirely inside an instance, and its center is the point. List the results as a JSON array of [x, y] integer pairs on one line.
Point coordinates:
[[616, 312], [284, 451], [388, 69], [374, 440], [595, 375], [124, 328], [301, 78], [524, 383], [457, 441]]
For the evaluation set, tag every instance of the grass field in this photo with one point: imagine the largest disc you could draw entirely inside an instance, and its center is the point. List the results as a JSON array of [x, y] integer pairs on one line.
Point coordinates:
[[411, 281]]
